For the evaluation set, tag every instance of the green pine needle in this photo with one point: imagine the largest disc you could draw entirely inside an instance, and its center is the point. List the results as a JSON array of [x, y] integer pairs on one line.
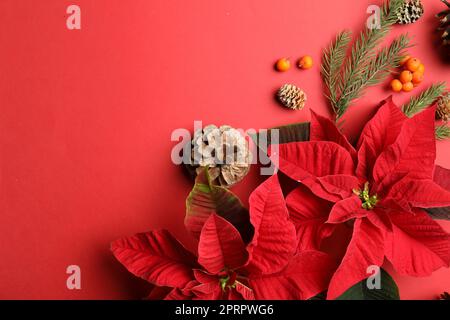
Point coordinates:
[[332, 61], [442, 132], [377, 70], [425, 99], [346, 77]]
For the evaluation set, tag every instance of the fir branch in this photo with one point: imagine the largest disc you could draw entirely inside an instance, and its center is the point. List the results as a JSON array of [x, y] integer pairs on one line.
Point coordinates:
[[442, 132], [363, 53], [425, 99], [332, 61], [378, 69]]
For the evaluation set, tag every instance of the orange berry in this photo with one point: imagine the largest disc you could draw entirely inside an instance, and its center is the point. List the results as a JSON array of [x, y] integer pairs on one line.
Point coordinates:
[[407, 87], [412, 64], [404, 59], [396, 85], [283, 65], [305, 62], [417, 77], [405, 76], [421, 68]]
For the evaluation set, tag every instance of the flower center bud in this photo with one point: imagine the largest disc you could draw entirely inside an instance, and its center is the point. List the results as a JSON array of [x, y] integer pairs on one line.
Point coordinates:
[[229, 281], [368, 201]]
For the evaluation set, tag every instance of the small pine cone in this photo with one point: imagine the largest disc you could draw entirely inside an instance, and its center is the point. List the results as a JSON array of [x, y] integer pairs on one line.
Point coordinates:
[[443, 108], [444, 18], [410, 12], [292, 97], [444, 296]]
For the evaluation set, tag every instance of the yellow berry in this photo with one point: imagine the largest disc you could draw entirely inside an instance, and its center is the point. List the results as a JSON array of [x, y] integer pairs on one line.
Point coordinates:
[[412, 64], [404, 60], [283, 65], [396, 85], [405, 76], [417, 77], [421, 68], [305, 62], [407, 87]]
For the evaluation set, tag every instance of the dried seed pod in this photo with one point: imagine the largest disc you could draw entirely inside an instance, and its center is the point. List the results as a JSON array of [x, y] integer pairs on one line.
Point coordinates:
[[292, 97], [410, 12], [224, 151]]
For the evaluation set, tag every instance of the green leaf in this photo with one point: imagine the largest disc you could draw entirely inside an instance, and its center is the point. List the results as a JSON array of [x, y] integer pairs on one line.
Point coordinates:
[[439, 213], [320, 296], [207, 198], [360, 291], [442, 178]]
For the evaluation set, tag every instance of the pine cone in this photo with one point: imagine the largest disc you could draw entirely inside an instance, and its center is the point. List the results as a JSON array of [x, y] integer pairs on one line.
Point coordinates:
[[444, 18], [292, 97], [224, 151], [443, 108], [410, 12], [444, 296]]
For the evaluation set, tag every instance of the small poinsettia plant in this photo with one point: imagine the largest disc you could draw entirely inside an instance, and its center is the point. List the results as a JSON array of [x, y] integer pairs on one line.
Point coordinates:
[[225, 267], [382, 188]]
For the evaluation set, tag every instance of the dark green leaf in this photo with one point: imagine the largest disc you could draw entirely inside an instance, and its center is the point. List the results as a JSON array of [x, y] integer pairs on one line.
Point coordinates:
[[439, 213], [290, 133], [360, 291], [320, 296], [442, 178]]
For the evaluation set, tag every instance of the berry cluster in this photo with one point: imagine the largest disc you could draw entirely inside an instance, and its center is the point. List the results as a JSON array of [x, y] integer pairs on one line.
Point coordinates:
[[283, 64], [410, 76]]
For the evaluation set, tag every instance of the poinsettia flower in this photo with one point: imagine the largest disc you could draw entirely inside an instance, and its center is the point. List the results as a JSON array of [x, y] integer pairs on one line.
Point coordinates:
[[382, 186], [161, 260], [268, 268], [277, 270]]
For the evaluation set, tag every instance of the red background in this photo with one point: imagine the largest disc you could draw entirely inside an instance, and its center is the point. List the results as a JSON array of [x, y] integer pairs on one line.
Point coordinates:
[[86, 117]]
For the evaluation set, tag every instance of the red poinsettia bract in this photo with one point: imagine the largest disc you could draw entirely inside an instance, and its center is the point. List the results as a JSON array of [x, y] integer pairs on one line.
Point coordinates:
[[382, 186], [268, 268]]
